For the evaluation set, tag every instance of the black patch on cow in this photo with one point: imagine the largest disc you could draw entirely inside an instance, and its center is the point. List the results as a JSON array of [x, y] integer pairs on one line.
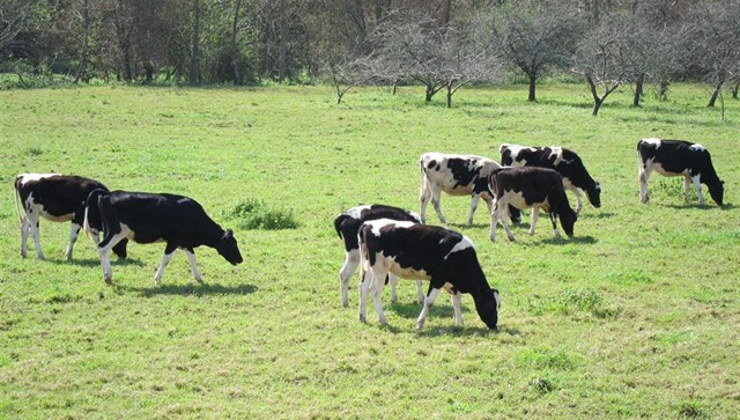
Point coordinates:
[[347, 226], [461, 172], [431, 163]]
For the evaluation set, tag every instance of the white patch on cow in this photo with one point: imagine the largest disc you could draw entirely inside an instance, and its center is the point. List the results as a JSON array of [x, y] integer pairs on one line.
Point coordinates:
[[375, 225], [464, 243], [355, 212], [34, 177], [416, 216], [657, 167], [652, 142], [497, 298], [32, 206], [557, 153], [403, 272], [697, 147], [515, 149]]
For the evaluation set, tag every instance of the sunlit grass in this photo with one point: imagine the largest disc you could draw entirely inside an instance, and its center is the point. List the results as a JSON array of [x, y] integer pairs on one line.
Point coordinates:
[[637, 315]]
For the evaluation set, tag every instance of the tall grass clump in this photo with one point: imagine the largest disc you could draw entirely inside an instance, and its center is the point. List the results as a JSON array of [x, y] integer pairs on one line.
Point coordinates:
[[251, 213]]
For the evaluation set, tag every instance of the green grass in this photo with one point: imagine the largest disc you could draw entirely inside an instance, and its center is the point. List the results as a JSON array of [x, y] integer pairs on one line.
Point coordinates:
[[637, 315]]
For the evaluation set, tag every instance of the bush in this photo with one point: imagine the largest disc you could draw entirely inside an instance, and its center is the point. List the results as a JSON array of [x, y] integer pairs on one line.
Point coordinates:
[[255, 214]]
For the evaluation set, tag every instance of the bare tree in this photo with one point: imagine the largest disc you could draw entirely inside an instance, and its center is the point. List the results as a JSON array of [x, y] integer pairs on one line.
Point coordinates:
[[13, 15], [195, 63], [535, 36], [601, 58]]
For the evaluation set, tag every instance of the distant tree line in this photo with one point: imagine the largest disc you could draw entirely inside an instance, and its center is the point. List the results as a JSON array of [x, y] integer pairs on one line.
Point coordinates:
[[441, 44]]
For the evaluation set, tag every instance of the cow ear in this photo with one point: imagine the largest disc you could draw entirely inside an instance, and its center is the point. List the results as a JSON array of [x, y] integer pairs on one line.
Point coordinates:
[[228, 234]]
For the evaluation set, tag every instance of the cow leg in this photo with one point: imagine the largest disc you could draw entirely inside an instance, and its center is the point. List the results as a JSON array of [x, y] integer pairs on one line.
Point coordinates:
[[686, 184], [473, 205], [25, 228], [194, 268], [554, 219], [104, 248], [697, 185], [168, 251], [393, 280], [420, 291], [424, 197], [33, 225], [376, 284], [436, 197], [364, 289], [578, 199], [425, 309], [535, 217], [73, 232], [457, 308], [351, 261], [498, 209], [643, 176]]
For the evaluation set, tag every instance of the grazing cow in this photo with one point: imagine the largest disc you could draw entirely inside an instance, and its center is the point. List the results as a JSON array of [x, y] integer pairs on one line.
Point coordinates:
[[348, 224], [455, 175], [178, 221], [530, 187], [678, 158], [566, 162], [410, 250], [59, 198]]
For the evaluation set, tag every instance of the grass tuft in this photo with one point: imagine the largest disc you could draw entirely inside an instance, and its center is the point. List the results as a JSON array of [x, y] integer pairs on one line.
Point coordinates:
[[691, 410], [255, 214]]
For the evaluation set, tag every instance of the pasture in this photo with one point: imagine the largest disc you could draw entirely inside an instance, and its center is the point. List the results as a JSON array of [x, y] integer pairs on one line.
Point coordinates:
[[637, 315]]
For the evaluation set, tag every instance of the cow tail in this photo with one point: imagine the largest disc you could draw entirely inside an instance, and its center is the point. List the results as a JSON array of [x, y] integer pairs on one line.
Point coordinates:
[[17, 194], [338, 224], [424, 179]]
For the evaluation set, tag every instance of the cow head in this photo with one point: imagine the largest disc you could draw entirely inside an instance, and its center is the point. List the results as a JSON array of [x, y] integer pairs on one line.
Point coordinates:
[[567, 219], [487, 306], [228, 248], [594, 195], [717, 191]]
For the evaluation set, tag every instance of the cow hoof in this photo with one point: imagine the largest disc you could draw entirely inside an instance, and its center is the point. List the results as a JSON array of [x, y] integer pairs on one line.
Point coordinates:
[[363, 319], [108, 281], [531, 233], [511, 239], [24, 255], [345, 304], [419, 326]]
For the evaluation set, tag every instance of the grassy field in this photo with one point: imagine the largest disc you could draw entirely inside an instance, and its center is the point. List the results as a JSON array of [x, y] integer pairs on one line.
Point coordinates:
[[636, 316]]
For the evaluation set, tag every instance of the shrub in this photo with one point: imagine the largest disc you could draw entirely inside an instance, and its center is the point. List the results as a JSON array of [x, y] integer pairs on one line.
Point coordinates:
[[255, 214]]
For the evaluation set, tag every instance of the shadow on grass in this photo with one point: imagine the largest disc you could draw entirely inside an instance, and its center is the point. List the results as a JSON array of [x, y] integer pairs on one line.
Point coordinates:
[[465, 331], [575, 240], [465, 225], [597, 215], [94, 262], [413, 309], [698, 207], [192, 289]]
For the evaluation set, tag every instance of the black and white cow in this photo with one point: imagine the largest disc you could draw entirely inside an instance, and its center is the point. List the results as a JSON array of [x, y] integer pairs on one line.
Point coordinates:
[[178, 221], [59, 198], [530, 187], [566, 162], [348, 224], [410, 250], [455, 175], [678, 158]]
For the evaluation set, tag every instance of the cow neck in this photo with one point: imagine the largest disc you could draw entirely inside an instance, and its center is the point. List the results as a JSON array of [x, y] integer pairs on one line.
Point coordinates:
[[211, 233]]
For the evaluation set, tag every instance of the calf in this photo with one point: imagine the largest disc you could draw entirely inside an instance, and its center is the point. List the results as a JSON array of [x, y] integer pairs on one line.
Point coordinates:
[[530, 187], [348, 224], [59, 198], [410, 250], [678, 158], [455, 175], [178, 221], [566, 162]]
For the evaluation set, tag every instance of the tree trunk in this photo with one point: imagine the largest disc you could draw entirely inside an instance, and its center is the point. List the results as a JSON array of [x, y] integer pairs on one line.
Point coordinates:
[[717, 88], [449, 95], [234, 49], [597, 105], [639, 86], [282, 43], [85, 27], [663, 91], [195, 64], [429, 92], [395, 86], [532, 82], [734, 90]]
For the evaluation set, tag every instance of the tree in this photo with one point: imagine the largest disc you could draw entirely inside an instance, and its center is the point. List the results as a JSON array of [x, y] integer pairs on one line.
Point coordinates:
[[601, 58], [13, 16], [535, 36], [195, 63]]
